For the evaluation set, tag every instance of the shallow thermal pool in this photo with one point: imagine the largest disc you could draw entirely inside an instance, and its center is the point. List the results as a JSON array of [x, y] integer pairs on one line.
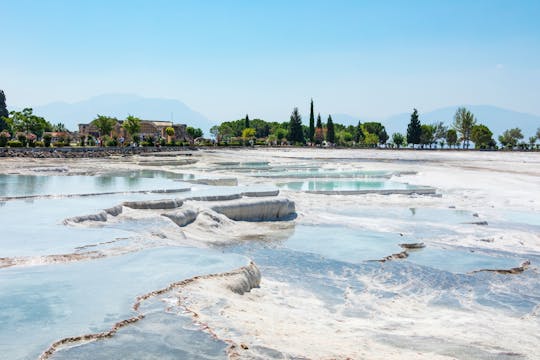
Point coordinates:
[[38, 185], [333, 258], [41, 304], [357, 185]]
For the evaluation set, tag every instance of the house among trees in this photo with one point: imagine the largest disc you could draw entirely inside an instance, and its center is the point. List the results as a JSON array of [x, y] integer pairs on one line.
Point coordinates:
[[149, 128]]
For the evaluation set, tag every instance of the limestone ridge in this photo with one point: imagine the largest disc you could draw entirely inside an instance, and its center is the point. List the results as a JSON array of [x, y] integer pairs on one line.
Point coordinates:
[[242, 209], [240, 281]]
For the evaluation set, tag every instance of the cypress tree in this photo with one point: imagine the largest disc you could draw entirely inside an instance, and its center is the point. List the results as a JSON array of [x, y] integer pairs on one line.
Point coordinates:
[[319, 122], [3, 111], [311, 123], [359, 133], [296, 134], [414, 130], [246, 122], [330, 133]]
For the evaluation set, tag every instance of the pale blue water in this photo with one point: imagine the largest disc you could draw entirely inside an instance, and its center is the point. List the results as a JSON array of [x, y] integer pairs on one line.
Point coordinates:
[[344, 185], [32, 185], [41, 304], [357, 246], [323, 173]]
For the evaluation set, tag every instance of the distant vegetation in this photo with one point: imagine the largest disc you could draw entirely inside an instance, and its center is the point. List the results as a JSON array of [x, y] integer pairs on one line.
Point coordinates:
[[25, 129], [464, 130]]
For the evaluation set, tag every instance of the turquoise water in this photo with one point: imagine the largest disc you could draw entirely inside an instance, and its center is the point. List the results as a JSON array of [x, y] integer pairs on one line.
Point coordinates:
[[344, 185], [41, 304], [33, 185], [324, 173], [356, 246]]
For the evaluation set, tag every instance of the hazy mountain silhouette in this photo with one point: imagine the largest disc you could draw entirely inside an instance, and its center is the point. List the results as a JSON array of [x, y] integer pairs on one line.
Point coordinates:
[[121, 105]]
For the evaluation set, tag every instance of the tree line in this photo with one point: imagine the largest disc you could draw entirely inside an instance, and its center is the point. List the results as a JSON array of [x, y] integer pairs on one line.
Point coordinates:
[[463, 131]]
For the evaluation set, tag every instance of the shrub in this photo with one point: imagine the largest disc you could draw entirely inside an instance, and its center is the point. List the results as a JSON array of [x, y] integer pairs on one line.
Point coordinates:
[[58, 144], [15, 143], [39, 144], [31, 139], [111, 142], [22, 138], [47, 140], [91, 141], [162, 142], [4, 137]]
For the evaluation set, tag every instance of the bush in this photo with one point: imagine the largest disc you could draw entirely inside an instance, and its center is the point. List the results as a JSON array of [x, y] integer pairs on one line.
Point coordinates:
[[58, 144], [15, 143], [4, 137], [162, 142], [22, 138], [39, 144], [111, 142], [91, 141], [47, 140]]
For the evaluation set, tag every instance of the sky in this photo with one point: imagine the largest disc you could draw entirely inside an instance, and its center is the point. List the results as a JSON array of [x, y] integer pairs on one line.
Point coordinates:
[[227, 58]]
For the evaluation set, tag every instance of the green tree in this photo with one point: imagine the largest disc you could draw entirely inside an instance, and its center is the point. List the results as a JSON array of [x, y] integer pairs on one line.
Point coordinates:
[[295, 127], [510, 137], [4, 114], [25, 121], [311, 123], [132, 125], [330, 132], [169, 130], [439, 131], [194, 132], [414, 129], [371, 139], [451, 137], [359, 133], [281, 134], [105, 124], [426, 135], [214, 131], [246, 122], [482, 137], [398, 139], [532, 141], [248, 134], [377, 129], [60, 127], [464, 121], [319, 122]]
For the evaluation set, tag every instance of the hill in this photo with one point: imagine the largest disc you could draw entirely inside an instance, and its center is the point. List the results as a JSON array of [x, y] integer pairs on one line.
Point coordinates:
[[497, 119], [121, 105]]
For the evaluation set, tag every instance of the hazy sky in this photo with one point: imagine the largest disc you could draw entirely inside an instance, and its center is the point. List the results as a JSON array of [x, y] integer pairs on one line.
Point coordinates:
[[228, 58]]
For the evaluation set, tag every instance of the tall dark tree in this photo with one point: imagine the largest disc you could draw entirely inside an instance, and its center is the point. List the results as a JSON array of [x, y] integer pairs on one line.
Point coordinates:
[[414, 130], [296, 135], [319, 122], [4, 113], [359, 133], [311, 123], [330, 132], [246, 122]]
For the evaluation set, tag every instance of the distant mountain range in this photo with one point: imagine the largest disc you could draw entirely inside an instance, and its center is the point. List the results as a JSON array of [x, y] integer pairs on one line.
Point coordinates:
[[121, 105], [497, 119]]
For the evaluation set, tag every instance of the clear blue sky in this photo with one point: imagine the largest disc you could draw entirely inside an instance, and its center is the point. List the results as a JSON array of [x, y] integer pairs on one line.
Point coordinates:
[[228, 58]]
